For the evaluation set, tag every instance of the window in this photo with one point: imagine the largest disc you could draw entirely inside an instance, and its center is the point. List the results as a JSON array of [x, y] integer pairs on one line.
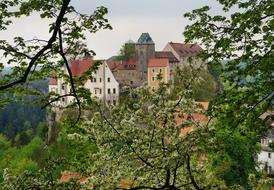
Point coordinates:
[[114, 90], [94, 79], [108, 79], [63, 99], [100, 91], [63, 86], [269, 155], [114, 102], [153, 78], [160, 70], [95, 91], [131, 82], [153, 70], [108, 90], [100, 79]]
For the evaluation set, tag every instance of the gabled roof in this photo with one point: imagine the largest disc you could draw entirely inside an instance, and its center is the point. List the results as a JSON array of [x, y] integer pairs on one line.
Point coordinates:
[[166, 54], [186, 50], [122, 65], [158, 62], [145, 39], [79, 67]]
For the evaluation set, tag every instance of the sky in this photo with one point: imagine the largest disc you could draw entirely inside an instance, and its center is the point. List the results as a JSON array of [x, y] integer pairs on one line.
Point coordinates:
[[162, 19]]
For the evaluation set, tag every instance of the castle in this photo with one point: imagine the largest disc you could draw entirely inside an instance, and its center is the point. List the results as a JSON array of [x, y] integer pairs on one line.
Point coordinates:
[[143, 67]]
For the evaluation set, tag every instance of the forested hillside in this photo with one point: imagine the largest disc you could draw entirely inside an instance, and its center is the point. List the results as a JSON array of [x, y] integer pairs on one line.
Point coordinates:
[[18, 120]]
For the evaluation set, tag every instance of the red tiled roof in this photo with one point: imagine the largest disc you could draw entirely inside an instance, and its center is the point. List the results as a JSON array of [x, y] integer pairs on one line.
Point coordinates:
[[112, 64], [122, 65], [79, 67], [195, 117], [166, 54], [186, 50], [53, 80], [158, 62], [67, 176]]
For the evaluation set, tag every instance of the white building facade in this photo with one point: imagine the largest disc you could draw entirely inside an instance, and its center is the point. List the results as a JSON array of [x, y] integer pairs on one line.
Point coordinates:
[[266, 155], [183, 52], [101, 84]]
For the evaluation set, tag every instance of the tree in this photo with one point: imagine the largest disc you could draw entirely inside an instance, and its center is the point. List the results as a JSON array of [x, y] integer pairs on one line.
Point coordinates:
[[67, 38], [141, 145], [241, 43], [127, 51], [203, 89]]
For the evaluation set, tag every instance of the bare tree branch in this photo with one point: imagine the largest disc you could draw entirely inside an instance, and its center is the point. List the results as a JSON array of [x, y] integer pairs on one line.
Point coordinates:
[[10, 49], [192, 179], [56, 99], [70, 75]]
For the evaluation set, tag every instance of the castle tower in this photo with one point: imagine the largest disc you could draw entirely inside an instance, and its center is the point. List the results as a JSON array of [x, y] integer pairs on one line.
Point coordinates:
[[145, 50]]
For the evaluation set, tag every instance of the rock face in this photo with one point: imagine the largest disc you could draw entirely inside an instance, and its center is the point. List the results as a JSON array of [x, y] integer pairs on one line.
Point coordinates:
[[145, 50], [50, 123]]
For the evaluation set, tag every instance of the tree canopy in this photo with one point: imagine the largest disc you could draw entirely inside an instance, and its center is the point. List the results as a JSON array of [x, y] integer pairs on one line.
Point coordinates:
[[37, 58], [240, 42], [127, 51]]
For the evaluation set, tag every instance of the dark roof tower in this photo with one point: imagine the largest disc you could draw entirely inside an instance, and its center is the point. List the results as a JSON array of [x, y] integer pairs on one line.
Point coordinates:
[[145, 39], [145, 50]]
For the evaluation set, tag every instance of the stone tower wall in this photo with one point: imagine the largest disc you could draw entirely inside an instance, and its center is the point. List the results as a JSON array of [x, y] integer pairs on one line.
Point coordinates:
[[144, 52]]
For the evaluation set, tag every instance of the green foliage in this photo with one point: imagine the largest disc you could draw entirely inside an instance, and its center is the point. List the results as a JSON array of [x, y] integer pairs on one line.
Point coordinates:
[[42, 179], [29, 160], [204, 86], [140, 141], [35, 59], [242, 44], [22, 117], [21, 159], [127, 51], [76, 151]]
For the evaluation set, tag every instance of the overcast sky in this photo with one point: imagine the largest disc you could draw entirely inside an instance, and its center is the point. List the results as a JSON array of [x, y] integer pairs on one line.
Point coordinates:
[[163, 19]]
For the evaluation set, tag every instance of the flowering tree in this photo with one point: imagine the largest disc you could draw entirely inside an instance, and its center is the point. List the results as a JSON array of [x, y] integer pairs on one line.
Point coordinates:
[[241, 44]]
